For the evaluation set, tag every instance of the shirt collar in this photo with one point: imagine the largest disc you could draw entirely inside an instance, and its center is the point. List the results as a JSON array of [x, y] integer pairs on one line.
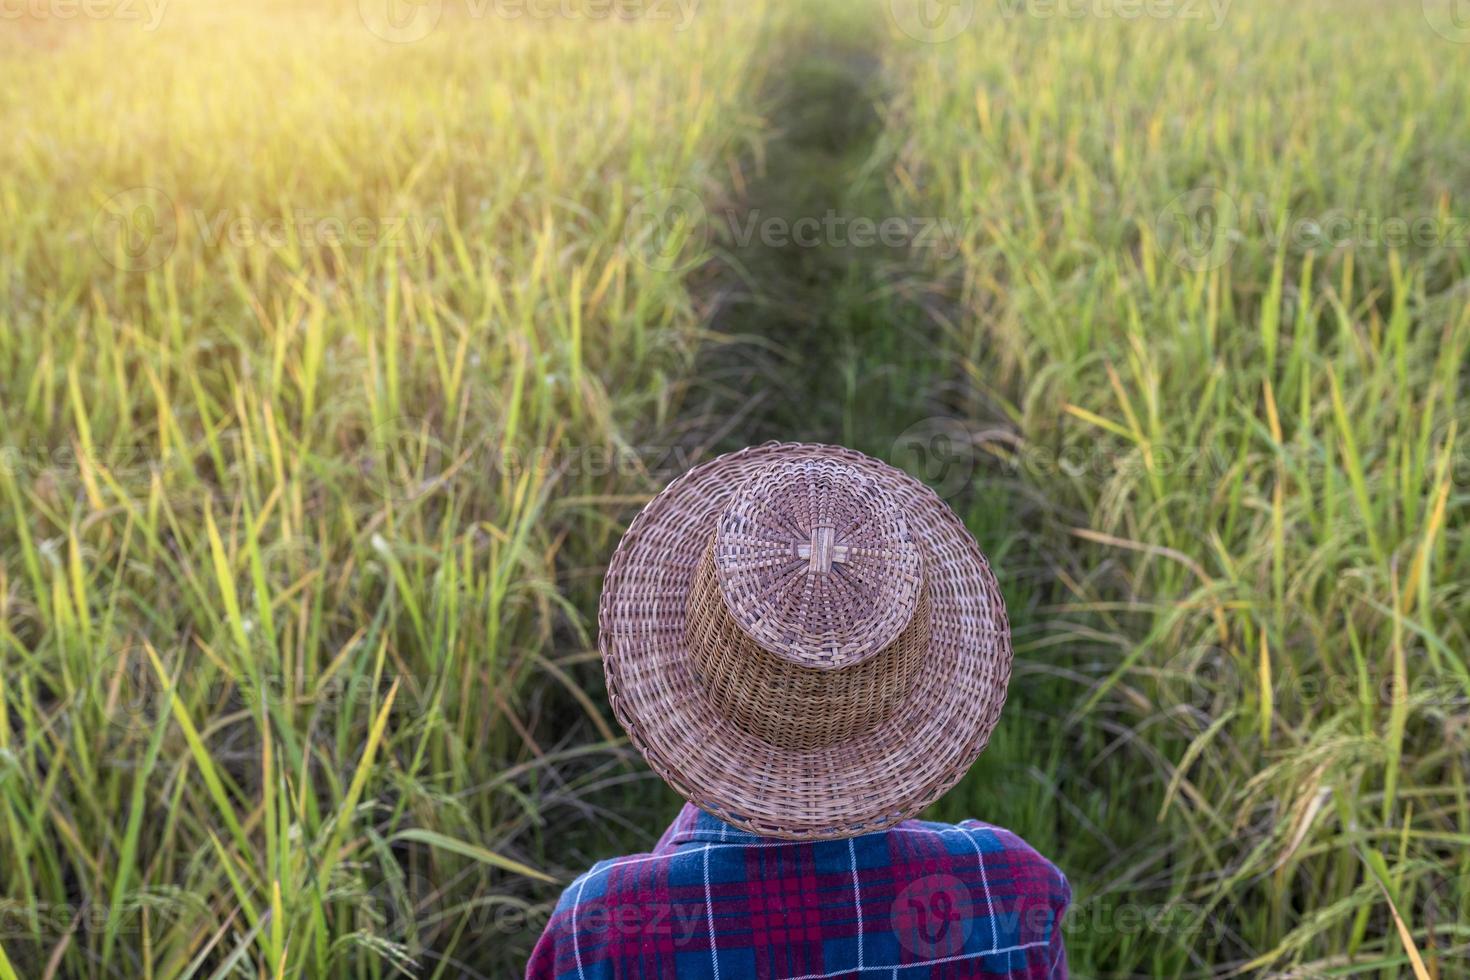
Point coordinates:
[[693, 824]]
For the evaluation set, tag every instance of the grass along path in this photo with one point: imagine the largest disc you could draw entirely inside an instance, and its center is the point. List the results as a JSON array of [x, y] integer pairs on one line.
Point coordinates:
[[293, 504], [1240, 444]]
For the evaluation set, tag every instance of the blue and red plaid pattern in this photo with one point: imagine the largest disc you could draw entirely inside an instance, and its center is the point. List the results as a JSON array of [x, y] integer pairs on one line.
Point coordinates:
[[919, 900]]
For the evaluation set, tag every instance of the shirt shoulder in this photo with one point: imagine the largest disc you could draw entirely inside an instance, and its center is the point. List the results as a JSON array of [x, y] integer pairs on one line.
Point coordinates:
[[1015, 854], [994, 863], [602, 908], [978, 892]]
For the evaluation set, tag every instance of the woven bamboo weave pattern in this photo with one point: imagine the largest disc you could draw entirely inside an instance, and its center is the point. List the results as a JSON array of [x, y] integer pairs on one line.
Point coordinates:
[[816, 563], [785, 703], [743, 686]]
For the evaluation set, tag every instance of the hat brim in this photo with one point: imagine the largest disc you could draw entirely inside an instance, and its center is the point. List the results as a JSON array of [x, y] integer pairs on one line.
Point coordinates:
[[863, 784]]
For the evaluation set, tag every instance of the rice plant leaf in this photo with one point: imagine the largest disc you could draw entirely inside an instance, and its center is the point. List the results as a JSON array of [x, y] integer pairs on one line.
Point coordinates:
[[1267, 691], [7, 972], [1379, 869], [472, 851], [200, 753], [1357, 478]]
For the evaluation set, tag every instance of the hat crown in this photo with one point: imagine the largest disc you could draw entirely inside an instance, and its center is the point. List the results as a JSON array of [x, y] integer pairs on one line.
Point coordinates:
[[816, 563]]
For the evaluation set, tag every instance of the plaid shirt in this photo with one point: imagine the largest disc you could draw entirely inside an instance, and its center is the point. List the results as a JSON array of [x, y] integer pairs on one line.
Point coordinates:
[[919, 900]]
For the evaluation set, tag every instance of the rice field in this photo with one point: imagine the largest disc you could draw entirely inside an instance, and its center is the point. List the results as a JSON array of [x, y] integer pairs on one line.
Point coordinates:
[[339, 341], [1215, 296], [323, 356]]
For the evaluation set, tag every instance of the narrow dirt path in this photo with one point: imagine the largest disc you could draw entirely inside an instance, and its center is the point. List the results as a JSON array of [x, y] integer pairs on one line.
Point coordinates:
[[815, 338], [828, 331]]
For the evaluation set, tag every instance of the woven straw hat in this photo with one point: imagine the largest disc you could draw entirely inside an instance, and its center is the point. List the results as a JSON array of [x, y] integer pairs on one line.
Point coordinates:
[[804, 641]]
